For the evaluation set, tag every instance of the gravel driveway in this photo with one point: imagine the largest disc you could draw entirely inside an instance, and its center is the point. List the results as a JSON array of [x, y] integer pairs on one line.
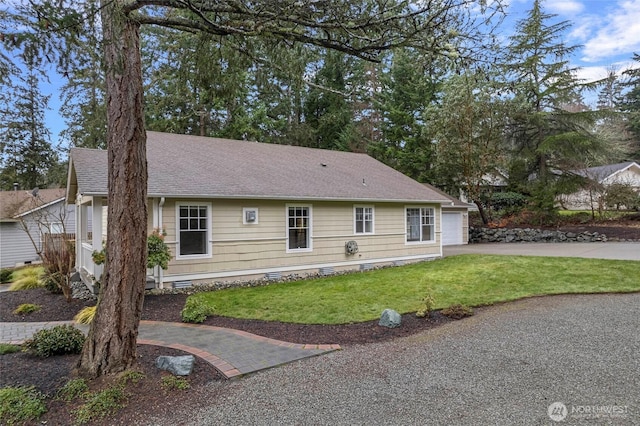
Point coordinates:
[[506, 365]]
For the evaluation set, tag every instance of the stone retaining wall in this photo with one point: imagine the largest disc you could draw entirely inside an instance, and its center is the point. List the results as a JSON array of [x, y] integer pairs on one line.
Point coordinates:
[[517, 235]]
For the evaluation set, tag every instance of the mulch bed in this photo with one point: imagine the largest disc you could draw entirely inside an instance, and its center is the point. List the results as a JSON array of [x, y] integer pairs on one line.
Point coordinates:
[[148, 396]]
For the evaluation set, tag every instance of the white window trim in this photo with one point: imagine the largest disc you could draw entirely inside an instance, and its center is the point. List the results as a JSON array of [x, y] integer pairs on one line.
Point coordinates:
[[209, 253], [51, 226], [432, 241], [373, 219], [286, 216]]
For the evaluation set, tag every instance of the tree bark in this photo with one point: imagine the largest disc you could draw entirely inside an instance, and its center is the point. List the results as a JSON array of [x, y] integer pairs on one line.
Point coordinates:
[[111, 343]]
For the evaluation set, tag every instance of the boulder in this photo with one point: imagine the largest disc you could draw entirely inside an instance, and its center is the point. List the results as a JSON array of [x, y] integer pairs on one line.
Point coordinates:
[[178, 365], [390, 319]]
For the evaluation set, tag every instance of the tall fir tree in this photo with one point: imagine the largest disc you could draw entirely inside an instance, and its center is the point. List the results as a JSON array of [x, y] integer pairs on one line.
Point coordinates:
[[630, 105], [548, 132], [83, 97], [407, 88], [27, 153]]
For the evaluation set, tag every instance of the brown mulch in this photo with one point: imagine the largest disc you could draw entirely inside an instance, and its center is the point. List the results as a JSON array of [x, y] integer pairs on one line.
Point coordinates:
[[148, 397]]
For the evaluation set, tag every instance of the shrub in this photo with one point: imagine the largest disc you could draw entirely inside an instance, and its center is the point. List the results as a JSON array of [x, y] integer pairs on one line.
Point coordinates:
[[59, 258], [73, 389], [427, 305], [457, 311], [21, 404], [158, 252], [86, 315], [5, 275], [172, 382], [7, 348], [101, 404], [59, 340], [27, 282], [26, 308], [195, 311], [51, 284]]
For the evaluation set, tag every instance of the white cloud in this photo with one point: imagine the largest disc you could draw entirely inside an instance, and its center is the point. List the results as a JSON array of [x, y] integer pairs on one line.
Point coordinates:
[[563, 6], [618, 34], [595, 73]]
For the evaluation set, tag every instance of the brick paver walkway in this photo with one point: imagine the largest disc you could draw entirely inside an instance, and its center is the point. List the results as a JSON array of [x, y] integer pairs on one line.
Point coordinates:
[[232, 352]]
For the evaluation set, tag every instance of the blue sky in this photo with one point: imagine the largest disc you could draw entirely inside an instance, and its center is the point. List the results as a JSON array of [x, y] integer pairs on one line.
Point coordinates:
[[607, 30]]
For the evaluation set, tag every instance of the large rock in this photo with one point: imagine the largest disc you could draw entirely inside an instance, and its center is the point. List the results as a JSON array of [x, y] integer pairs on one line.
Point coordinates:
[[178, 365], [390, 318]]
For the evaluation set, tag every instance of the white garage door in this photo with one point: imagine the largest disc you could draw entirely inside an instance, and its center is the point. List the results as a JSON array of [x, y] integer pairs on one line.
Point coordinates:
[[451, 229]]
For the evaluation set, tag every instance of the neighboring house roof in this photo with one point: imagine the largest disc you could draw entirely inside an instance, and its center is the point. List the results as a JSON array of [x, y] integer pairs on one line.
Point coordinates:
[[14, 204], [202, 167], [600, 173], [454, 201]]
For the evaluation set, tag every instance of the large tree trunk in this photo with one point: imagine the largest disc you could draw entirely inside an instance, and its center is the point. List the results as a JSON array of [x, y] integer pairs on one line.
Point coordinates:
[[111, 344]]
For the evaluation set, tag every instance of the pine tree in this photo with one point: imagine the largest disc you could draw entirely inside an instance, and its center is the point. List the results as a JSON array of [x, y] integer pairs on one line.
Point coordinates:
[[630, 105], [549, 130], [27, 153]]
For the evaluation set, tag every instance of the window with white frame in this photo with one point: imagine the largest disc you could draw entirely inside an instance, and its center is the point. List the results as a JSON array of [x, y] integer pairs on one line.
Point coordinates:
[[193, 230], [420, 224], [56, 228], [363, 220], [298, 228]]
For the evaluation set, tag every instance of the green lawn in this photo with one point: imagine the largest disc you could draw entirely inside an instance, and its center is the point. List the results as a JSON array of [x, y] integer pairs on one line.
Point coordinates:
[[472, 280]]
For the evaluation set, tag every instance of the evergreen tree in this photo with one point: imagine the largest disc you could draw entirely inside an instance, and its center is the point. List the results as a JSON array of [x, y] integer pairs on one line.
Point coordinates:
[[83, 94], [549, 129], [407, 89], [630, 105], [27, 153], [327, 111]]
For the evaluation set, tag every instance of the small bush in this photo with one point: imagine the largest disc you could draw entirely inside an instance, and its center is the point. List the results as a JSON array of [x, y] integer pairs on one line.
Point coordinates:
[[86, 315], [427, 306], [457, 311], [59, 340], [5, 275], [26, 283], [175, 383], [19, 405], [101, 404], [195, 311], [73, 389], [27, 308], [7, 348], [51, 284]]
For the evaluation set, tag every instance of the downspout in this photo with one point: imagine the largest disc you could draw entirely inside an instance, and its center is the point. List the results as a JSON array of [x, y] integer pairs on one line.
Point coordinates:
[[160, 270]]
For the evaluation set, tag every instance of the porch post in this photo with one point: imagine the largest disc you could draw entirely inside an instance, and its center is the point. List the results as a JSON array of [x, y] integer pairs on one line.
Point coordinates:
[[80, 232], [96, 236]]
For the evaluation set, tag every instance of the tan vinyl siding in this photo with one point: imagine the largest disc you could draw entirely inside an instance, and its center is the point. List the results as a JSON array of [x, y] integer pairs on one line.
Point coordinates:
[[246, 247]]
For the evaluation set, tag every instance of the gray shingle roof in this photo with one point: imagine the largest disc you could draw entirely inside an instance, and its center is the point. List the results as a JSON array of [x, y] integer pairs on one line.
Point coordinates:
[[602, 172], [194, 166], [16, 203]]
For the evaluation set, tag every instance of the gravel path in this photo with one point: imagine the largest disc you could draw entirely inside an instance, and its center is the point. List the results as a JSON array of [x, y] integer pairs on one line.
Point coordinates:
[[504, 366]]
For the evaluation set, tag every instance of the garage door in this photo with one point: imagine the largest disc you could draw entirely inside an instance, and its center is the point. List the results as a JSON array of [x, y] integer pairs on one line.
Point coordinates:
[[451, 229]]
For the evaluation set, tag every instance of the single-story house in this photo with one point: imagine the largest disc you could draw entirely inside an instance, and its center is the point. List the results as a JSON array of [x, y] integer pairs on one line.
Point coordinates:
[[627, 173], [244, 210], [42, 212]]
